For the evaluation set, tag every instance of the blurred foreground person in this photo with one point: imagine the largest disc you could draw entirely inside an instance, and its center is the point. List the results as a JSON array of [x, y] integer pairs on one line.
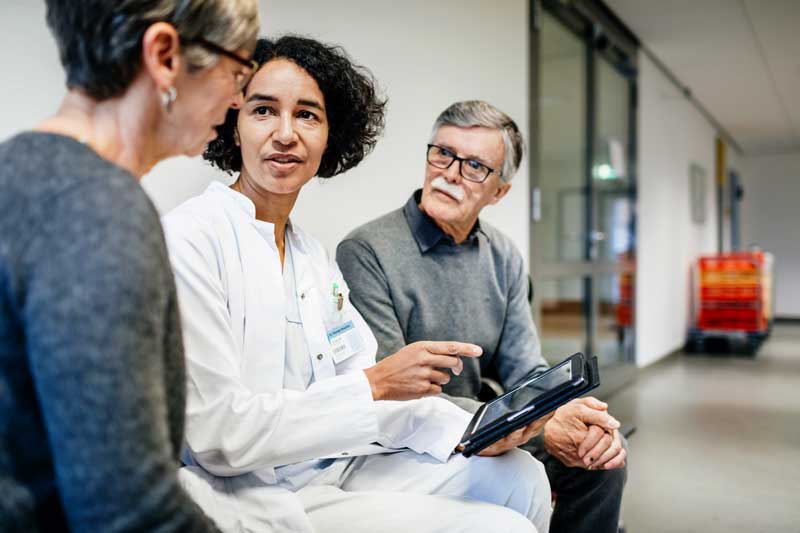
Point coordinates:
[[92, 377]]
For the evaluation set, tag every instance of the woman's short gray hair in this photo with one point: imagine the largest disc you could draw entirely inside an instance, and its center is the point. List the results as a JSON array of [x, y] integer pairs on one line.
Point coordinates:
[[477, 113], [100, 42]]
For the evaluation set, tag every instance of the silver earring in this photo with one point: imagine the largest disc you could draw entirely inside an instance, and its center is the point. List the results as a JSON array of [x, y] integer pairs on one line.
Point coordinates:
[[168, 97]]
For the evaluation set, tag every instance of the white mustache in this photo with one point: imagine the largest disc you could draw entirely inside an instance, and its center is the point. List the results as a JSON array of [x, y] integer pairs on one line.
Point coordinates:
[[448, 188]]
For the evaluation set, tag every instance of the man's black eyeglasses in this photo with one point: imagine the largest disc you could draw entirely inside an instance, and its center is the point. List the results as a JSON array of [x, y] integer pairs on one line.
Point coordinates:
[[471, 170]]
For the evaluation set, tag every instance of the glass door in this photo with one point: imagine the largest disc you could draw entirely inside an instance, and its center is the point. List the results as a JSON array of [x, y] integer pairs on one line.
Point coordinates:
[[612, 236], [560, 285], [583, 193]]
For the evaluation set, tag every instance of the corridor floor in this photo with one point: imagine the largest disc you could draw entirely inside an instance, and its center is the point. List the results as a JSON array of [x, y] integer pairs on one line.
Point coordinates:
[[717, 446]]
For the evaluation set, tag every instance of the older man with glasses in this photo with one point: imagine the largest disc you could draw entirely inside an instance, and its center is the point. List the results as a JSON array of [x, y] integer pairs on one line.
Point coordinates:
[[434, 270]]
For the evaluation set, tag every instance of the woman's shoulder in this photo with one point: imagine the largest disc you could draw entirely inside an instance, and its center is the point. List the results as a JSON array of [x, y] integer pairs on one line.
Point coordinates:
[[71, 193], [46, 168], [200, 214]]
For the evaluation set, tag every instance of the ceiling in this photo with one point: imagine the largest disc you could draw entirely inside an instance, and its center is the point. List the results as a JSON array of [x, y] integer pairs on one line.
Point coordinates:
[[739, 58]]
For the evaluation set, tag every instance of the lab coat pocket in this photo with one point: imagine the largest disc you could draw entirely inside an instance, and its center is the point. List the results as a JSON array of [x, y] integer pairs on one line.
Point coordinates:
[[338, 304], [334, 305], [343, 333]]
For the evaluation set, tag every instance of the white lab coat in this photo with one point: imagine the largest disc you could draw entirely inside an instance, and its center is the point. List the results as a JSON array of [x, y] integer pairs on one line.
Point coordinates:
[[241, 420]]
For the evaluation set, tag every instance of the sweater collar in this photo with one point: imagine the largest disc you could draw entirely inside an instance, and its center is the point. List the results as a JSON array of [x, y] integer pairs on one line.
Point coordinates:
[[424, 229]]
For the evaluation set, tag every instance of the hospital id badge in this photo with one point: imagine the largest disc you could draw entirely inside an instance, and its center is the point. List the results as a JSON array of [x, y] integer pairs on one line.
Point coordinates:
[[345, 341]]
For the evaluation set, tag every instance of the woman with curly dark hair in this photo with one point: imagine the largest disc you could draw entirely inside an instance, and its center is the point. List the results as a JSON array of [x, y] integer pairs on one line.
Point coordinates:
[[290, 421]]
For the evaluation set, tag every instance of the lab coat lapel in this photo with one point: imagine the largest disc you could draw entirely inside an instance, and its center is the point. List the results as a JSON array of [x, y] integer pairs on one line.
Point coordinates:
[[311, 306], [262, 300]]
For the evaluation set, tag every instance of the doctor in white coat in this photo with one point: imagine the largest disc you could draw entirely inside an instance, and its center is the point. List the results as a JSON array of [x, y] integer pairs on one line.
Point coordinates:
[[291, 425]]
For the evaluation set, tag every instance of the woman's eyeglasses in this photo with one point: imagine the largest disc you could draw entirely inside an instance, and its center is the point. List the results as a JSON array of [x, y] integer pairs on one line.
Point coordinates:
[[242, 78]]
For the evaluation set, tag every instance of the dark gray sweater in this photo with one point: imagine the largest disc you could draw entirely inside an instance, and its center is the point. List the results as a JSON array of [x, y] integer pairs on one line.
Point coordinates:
[[92, 381]]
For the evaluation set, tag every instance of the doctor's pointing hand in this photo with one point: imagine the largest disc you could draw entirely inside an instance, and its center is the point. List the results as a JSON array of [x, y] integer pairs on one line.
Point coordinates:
[[418, 370]]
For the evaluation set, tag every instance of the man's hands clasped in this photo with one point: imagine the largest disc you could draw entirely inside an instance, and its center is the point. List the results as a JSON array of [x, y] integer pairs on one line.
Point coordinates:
[[583, 434], [580, 433]]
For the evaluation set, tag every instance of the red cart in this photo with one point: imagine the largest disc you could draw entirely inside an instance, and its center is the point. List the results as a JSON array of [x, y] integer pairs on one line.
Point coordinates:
[[733, 301]]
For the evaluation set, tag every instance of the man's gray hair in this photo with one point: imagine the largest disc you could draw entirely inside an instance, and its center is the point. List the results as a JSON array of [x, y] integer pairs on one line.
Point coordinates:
[[100, 41], [477, 113]]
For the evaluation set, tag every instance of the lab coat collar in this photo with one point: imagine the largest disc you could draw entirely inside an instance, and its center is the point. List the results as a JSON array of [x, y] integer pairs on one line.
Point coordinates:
[[234, 198], [246, 206]]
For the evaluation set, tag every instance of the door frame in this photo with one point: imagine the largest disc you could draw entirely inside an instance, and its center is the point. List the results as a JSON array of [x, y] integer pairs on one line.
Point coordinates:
[[603, 36]]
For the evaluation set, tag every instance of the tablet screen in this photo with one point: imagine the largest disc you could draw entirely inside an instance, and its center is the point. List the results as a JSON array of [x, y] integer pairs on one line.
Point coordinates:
[[526, 393]]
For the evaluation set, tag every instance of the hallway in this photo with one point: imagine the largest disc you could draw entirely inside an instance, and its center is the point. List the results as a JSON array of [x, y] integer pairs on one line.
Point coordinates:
[[717, 446]]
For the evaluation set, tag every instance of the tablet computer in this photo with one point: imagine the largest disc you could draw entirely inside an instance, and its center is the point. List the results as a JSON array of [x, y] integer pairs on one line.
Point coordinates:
[[532, 399]]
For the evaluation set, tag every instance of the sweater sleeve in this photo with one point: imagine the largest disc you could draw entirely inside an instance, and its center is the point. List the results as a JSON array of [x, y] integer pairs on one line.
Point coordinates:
[[519, 352], [95, 313]]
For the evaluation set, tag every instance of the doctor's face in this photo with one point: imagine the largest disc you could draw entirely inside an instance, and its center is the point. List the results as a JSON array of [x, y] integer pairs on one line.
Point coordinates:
[[282, 129]]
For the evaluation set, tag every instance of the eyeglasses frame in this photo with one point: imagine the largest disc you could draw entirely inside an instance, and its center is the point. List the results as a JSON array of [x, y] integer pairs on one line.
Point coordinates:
[[217, 49], [460, 160]]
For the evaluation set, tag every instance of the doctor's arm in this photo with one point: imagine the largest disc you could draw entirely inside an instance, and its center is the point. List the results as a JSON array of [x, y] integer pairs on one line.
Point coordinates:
[[94, 316], [232, 429]]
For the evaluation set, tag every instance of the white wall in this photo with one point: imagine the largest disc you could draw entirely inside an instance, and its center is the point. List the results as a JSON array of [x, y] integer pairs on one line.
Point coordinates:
[[425, 55], [423, 64], [32, 81], [672, 135], [771, 219]]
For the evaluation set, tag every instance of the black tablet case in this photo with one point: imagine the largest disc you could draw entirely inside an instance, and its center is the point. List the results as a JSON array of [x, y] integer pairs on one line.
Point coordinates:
[[491, 434]]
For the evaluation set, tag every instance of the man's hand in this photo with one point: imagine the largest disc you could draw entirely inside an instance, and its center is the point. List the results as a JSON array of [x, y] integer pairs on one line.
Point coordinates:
[[517, 438], [569, 428], [416, 370], [602, 450]]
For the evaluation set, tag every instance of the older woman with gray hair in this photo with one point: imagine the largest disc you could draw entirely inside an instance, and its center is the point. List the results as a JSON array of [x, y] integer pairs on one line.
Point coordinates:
[[92, 379]]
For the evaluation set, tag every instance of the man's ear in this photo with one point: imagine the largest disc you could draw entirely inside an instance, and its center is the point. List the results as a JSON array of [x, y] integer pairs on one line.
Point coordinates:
[[161, 57], [501, 191]]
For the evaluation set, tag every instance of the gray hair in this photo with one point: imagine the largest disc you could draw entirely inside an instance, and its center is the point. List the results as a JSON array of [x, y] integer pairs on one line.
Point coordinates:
[[231, 24], [100, 41], [477, 113]]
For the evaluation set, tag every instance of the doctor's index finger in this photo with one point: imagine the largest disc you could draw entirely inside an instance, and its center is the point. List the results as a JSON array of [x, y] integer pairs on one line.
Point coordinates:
[[452, 348], [444, 361]]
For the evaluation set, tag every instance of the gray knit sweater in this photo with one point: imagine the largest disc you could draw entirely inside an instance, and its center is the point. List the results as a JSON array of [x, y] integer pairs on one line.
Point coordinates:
[[411, 282], [91, 362]]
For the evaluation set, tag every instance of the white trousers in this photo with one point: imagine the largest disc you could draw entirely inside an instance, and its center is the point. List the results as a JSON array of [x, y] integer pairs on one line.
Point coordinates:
[[392, 493]]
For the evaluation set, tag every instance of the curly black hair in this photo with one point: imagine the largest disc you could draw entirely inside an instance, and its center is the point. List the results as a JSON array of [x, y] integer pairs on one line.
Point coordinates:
[[355, 109]]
